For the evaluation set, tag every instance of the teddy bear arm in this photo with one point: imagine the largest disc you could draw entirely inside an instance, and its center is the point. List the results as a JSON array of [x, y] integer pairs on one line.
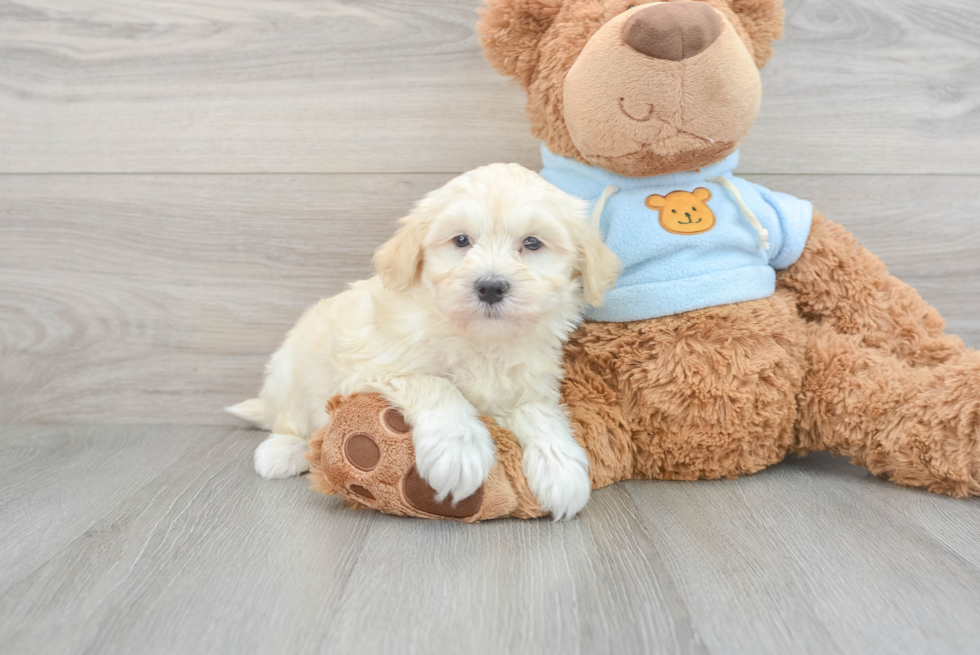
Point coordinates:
[[838, 282]]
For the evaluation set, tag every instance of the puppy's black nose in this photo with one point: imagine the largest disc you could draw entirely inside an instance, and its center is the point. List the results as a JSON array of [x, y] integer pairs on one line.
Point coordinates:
[[491, 290]]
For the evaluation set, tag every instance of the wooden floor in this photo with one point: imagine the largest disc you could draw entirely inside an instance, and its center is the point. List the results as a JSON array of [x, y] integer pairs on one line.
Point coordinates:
[[179, 179], [160, 539]]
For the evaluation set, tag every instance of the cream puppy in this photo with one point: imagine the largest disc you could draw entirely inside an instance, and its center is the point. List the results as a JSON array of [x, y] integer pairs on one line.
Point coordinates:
[[475, 294]]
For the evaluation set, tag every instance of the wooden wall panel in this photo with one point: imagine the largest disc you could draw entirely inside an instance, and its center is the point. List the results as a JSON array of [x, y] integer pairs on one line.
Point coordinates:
[[856, 86], [158, 298]]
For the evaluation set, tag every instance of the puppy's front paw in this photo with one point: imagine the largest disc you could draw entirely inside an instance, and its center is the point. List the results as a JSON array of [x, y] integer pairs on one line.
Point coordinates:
[[558, 475], [453, 452], [281, 456]]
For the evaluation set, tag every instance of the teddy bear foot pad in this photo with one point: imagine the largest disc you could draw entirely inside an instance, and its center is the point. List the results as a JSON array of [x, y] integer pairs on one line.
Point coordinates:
[[365, 455]]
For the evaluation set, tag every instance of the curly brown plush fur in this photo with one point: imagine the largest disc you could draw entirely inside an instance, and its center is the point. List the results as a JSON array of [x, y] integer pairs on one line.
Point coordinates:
[[843, 357]]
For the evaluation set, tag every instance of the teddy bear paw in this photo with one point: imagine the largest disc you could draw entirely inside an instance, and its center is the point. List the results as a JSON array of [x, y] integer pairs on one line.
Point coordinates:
[[368, 457]]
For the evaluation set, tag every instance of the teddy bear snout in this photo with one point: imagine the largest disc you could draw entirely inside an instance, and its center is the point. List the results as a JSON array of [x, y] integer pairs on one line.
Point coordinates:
[[673, 31]]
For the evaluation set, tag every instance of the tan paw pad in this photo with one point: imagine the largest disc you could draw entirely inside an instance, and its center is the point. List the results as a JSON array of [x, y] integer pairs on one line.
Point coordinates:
[[365, 454]]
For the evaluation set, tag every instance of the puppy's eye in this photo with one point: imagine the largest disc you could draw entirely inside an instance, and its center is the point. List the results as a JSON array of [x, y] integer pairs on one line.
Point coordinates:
[[462, 241], [532, 243]]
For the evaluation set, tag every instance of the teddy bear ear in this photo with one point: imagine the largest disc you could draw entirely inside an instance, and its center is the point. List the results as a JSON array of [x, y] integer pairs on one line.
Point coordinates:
[[702, 194], [656, 202], [510, 31], [763, 21]]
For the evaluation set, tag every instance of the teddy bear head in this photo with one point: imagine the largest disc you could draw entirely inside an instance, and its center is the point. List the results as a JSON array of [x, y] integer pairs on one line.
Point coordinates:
[[637, 88]]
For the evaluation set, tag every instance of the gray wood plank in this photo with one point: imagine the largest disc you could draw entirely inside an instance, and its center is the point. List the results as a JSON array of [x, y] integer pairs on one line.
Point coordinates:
[[130, 295], [530, 587], [205, 557], [159, 298], [878, 578], [186, 550], [866, 86], [59, 481], [871, 86], [190, 561]]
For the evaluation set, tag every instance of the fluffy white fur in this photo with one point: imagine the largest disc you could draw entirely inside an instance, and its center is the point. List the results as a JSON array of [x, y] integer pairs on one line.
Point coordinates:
[[418, 334]]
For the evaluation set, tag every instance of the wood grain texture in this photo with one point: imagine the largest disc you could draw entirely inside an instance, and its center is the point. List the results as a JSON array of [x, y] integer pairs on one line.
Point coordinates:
[[160, 539], [187, 283], [857, 86], [58, 481], [159, 298], [876, 578], [871, 86], [131, 297]]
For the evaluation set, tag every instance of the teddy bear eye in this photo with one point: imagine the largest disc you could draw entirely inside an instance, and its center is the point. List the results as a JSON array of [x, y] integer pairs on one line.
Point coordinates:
[[532, 243], [694, 209], [462, 241], [674, 211]]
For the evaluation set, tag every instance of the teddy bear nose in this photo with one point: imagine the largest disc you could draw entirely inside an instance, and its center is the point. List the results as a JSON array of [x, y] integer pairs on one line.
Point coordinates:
[[673, 30]]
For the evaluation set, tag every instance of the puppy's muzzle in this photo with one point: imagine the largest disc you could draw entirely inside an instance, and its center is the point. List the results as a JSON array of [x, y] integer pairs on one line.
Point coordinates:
[[491, 290]]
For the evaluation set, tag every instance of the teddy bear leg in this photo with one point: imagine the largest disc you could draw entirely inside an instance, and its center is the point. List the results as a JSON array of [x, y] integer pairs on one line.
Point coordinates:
[[597, 417], [365, 454], [839, 283], [706, 394], [918, 426]]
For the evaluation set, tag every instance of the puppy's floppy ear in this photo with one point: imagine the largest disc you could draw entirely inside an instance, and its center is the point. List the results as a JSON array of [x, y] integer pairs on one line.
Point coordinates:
[[510, 31], [399, 260], [598, 265], [600, 268]]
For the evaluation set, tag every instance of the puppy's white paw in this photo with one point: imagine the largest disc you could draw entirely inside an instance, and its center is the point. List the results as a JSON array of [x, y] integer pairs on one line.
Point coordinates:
[[453, 452], [558, 475], [281, 456]]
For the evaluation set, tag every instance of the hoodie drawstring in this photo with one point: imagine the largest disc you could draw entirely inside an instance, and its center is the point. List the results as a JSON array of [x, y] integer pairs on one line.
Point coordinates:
[[732, 189], [599, 206]]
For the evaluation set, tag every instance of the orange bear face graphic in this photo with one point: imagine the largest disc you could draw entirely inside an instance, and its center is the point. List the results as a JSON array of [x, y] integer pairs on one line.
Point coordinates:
[[684, 212]]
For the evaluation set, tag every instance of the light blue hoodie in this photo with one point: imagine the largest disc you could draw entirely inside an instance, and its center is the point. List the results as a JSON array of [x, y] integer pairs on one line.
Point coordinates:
[[686, 242]]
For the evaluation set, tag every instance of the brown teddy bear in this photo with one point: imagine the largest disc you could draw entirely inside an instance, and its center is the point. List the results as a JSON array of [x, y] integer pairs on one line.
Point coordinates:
[[722, 369]]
